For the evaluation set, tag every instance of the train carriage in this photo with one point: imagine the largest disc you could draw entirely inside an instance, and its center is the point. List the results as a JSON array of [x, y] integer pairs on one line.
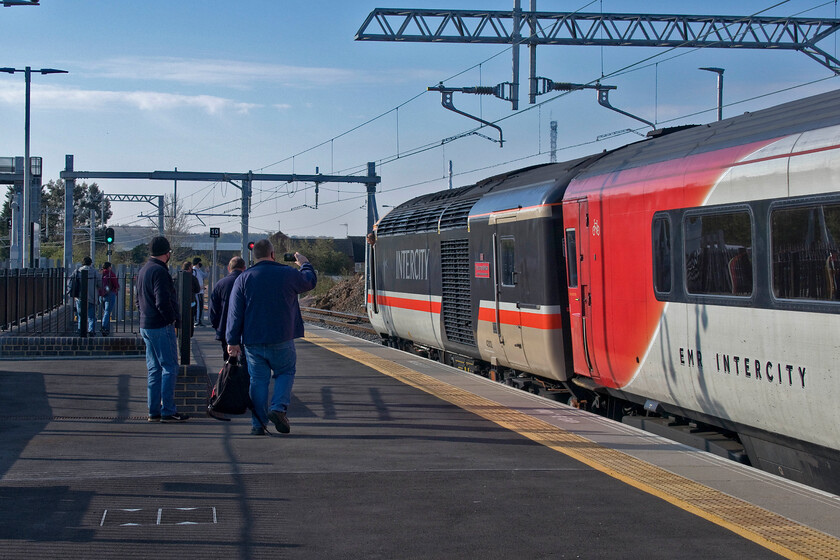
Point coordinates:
[[693, 273]]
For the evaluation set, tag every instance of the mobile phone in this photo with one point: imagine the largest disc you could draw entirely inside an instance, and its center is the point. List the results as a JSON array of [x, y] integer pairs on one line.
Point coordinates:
[[289, 257]]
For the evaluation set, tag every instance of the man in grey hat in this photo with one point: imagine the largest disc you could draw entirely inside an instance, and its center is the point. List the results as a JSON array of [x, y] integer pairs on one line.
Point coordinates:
[[158, 320]]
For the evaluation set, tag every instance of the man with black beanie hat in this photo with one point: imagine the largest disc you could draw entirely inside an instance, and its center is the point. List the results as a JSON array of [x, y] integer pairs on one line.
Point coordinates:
[[158, 320]]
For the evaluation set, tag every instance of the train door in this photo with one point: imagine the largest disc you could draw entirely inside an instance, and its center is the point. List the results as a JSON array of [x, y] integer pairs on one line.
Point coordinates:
[[577, 237], [508, 256]]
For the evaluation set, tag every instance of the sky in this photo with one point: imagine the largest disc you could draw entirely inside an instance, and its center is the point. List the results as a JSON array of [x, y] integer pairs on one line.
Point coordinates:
[[275, 86]]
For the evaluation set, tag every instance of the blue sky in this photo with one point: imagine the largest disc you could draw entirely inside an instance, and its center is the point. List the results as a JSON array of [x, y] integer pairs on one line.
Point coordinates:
[[211, 85]]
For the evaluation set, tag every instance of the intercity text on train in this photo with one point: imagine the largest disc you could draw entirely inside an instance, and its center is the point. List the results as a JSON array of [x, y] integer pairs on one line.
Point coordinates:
[[748, 367], [413, 264]]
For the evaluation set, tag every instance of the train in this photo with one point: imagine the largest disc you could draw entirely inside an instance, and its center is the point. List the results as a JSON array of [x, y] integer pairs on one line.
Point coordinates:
[[693, 275]]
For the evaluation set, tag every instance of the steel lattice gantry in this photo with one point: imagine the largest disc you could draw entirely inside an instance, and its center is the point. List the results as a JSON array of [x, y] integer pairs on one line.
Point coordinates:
[[69, 175], [155, 200], [569, 28]]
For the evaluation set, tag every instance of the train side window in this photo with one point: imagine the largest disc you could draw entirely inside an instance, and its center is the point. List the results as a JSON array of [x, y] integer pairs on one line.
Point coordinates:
[[718, 253], [506, 251], [662, 257], [571, 258], [804, 246]]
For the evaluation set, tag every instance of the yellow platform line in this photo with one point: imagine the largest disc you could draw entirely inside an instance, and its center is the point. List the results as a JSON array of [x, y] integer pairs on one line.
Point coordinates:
[[770, 530]]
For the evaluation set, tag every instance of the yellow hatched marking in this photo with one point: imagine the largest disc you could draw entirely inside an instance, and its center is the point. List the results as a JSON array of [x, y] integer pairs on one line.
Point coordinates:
[[770, 530]]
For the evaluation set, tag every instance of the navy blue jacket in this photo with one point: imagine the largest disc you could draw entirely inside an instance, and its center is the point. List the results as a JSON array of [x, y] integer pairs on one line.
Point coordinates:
[[219, 302], [156, 296], [264, 305]]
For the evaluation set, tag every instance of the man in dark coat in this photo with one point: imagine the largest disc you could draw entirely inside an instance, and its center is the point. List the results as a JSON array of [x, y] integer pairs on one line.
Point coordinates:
[[220, 299], [263, 320], [158, 320]]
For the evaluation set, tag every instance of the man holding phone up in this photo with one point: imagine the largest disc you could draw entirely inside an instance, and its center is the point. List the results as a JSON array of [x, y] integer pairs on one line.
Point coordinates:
[[263, 321]]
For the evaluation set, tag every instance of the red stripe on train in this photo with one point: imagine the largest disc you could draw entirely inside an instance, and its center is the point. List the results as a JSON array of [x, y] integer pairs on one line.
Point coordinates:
[[425, 306]]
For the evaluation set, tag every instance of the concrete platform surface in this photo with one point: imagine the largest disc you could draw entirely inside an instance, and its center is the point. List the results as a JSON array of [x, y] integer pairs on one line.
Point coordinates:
[[374, 468]]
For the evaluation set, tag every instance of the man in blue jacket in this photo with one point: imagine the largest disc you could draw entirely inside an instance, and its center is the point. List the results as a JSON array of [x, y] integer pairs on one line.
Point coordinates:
[[220, 300], [158, 320], [264, 318]]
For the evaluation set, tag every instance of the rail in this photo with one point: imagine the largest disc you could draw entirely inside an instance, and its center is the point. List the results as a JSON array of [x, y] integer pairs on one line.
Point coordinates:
[[351, 321]]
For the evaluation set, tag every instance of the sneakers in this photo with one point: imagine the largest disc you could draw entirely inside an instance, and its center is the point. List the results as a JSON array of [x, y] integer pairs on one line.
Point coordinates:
[[280, 421], [154, 418], [258, 431], [177, 417]]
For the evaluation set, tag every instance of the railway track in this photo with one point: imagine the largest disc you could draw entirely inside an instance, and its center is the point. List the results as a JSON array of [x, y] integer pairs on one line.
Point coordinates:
[[336, 319]]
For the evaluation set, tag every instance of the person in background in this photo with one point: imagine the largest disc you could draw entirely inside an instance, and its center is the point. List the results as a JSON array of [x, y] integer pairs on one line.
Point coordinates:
[[264, 319], [94, 284], [196, 288], [158, 320], [108, 296], [220, 299], [199, 273]]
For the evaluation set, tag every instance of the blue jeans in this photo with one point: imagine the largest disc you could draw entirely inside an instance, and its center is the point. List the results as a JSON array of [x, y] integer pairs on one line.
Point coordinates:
[[162, 363], [262, 359], [91, 322], [108, 302]]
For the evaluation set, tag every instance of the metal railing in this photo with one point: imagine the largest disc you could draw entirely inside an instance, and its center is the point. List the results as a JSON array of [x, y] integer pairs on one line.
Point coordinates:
[[37, 302], [30, 296]]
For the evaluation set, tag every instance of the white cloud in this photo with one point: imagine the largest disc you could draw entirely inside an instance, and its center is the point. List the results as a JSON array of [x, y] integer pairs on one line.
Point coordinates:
[[238, 74], [56, 97], [220, 72]]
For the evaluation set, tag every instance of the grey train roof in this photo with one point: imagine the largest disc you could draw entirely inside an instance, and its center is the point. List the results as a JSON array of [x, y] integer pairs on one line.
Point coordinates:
[[450, 208]]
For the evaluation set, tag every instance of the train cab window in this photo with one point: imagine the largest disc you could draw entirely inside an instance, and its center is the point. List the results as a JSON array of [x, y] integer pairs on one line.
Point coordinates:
[[662, 254], [506, 251], [571, 258], [804, 245], [718, 253]]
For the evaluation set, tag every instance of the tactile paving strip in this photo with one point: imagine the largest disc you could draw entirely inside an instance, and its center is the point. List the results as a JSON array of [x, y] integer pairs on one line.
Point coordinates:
[[768, 529]]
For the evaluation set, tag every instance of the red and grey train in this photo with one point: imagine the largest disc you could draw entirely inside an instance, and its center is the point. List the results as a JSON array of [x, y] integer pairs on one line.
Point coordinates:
[[694, 274]]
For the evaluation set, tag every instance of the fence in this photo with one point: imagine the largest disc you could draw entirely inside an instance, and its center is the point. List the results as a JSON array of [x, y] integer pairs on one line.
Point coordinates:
[[37, 302], [29, 296]]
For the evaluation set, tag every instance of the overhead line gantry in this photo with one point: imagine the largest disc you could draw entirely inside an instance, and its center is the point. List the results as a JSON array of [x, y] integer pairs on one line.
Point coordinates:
[[535, 28], [69, 175]]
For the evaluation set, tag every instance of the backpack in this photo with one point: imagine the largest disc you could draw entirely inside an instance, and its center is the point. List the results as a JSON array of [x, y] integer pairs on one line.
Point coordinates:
[[75, 283], [230, 394]]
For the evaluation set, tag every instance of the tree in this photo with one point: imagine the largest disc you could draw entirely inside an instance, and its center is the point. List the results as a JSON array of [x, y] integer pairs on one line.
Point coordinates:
[[85, 198], [5, 215], [175, 226], [323, 256]]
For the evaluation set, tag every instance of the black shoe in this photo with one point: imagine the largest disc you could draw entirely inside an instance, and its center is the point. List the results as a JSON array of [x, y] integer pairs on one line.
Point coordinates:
[[258, 431], [154, 418], [177, 417], [280, 421]]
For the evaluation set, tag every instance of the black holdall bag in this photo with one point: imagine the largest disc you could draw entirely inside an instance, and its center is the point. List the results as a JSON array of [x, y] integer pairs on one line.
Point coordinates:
[[230, 394]]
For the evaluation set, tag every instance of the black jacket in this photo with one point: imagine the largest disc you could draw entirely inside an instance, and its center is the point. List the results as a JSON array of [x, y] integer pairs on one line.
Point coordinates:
[[156, 296], [219, 300]]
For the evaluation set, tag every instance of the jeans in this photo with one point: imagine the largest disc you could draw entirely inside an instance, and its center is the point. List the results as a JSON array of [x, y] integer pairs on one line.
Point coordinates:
[[262, 359], [108, 301], [199, 310], [162, 363], [91, 322]]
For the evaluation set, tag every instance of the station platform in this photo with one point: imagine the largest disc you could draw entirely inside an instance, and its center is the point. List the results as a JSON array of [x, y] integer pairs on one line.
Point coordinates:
[[390, 456]]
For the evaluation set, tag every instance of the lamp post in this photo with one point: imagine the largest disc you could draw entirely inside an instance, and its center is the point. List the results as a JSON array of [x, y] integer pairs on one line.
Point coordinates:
[[26, 259], [719, 72]]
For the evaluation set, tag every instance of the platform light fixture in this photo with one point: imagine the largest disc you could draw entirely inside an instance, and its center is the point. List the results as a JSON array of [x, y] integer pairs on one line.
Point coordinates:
[[26, 259]]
